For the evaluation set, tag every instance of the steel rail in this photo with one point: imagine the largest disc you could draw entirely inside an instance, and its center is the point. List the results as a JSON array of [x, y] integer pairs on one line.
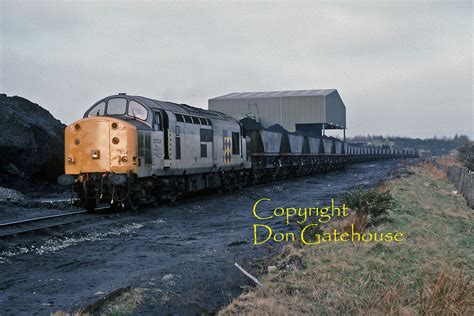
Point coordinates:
[[37, 219], [5, 226]]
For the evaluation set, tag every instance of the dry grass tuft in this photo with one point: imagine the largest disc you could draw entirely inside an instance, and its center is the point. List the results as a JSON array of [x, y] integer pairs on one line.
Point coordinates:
[[448, 161], [452, 293], [383, 187], [344, 225], [126, 303], [434, 172]]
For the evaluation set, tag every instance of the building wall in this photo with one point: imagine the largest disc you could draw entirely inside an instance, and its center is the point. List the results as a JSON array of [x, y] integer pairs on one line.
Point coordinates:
[[267, 109], [299, 110], [335, 109], [287, 110]]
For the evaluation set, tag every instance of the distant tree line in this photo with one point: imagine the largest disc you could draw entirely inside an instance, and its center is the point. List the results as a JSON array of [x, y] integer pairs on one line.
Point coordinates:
[[437, 146]]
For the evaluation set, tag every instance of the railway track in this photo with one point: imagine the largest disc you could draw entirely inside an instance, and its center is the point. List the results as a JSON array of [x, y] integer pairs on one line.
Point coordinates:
[[25, 226]]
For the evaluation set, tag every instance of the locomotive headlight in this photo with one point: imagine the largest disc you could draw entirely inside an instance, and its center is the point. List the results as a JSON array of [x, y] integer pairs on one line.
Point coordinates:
[[124, 159], [95, 154], [70, 160]]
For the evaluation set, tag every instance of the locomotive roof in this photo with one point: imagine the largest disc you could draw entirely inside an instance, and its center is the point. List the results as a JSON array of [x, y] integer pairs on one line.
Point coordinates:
[[175, 107]]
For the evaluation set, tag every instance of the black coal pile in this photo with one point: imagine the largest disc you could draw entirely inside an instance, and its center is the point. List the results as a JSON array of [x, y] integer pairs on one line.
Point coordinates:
[[31, 144]]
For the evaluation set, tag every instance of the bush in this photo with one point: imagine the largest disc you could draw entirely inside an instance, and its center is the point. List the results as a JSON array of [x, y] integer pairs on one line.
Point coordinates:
[[370, 204], [466, 155]]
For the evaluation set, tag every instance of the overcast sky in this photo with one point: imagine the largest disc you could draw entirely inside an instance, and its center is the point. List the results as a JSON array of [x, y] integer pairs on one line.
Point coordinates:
[[402, 68]]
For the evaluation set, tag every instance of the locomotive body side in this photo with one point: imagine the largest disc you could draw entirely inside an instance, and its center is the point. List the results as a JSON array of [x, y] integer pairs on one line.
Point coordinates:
[[128, 150]]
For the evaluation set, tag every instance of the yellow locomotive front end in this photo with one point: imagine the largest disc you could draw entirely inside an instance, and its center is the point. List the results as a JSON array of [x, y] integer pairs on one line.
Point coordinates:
[[100, 160], [100, 144]]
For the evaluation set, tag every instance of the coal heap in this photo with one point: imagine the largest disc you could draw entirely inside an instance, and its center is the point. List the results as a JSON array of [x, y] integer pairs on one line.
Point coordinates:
[[31, 142]]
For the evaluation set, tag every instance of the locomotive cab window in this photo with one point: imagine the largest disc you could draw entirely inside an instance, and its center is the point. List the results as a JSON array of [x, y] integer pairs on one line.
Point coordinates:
[[136, 110], [235, 143], [97, 110], [116, 106], [158, 126]]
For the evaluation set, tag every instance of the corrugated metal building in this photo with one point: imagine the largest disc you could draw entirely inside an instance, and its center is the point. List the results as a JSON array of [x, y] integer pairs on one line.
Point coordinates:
[[305, 110]]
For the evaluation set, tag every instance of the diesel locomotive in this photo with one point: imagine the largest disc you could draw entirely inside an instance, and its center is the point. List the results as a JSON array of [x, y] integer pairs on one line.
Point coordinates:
[[128, 150]]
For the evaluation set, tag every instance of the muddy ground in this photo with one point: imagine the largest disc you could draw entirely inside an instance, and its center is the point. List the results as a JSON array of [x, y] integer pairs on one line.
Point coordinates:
[[180, 256]]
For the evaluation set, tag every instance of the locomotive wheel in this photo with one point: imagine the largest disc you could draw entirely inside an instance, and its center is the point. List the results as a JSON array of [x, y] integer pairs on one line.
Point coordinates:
[[133, 203]]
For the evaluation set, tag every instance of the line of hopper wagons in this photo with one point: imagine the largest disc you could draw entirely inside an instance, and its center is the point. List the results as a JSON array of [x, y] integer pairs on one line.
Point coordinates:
[[277, 153]]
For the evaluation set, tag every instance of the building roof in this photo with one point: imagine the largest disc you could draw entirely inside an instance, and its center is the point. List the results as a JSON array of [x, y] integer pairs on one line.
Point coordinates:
[[276, 94]]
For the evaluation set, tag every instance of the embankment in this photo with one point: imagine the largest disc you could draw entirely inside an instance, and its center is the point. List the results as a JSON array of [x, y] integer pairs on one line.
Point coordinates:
[[429, 272]]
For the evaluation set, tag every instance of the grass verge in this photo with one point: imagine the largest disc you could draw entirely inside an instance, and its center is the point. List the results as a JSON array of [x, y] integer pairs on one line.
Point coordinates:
[[429, 273]]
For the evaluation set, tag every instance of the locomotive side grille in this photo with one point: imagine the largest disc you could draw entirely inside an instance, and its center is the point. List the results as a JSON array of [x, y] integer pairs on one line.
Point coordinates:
[[148, 149], [144, 147]]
